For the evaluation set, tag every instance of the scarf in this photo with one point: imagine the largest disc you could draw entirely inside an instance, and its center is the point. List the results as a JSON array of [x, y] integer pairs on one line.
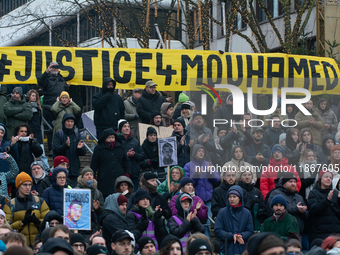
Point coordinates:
[[111, 144], [233, 206], [89, 183], [147, 186], [192, 194]]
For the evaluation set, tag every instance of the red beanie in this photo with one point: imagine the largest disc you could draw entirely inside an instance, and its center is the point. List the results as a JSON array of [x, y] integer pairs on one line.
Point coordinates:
[[122, 199], [323, 172], [60, 159], [335, 148]]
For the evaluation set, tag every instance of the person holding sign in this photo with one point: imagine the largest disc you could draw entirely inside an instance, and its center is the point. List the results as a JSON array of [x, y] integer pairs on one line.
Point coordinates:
[[26, 212], [176, 174]]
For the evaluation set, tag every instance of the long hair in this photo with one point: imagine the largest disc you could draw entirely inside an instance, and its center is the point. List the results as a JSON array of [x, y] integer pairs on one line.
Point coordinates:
[[309, 131], [29, 93], [304, 155], [166, 249]]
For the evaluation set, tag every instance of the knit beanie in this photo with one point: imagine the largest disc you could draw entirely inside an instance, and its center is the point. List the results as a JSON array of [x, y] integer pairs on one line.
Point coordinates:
[[322, 172], [144, 241], [139, 194], [37, 163], [86, 170], [2, 128], [335, 148], [2, 213], [278, 147], [185, 181], [150, 130], [155, 113], [21, 178], [199, 245], [60, 159], [261, 242], [96, 249], [180, 120], [196, 113], [77, 238], [186, 106], [282, 137], [122, 199], [223, 127], [234, 192], [121, 123], [18, 90], [286, 176], [148, 176], [278, 199], [64, 93], [183, 98]]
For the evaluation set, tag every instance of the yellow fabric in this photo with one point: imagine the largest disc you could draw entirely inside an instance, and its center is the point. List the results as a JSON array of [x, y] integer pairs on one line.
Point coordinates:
[[21, 178], [64, 93]]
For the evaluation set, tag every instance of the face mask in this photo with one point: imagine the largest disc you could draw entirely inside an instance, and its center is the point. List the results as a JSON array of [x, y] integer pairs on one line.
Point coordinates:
[[89, 183], [24, 139]]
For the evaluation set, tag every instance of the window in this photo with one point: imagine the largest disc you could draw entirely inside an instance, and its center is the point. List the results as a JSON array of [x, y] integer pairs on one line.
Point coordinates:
[[7, 6]]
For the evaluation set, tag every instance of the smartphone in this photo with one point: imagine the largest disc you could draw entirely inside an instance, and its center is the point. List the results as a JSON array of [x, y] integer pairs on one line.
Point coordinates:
[[55, 66], [2, 155]]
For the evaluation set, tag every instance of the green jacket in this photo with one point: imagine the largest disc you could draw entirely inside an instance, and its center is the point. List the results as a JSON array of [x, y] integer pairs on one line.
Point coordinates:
[[163, 187], [59, 110], [285, 224], [17, 112]]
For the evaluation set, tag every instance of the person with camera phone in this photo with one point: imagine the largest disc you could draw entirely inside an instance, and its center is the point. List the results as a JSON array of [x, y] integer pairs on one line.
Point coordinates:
[[7, 177]]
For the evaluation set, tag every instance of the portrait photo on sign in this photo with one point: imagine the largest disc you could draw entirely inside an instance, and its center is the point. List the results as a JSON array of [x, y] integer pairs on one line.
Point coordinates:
[[77, 209], [167, 149]]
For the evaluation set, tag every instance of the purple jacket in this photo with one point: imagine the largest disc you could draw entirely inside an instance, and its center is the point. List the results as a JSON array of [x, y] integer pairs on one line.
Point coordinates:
[[202, 214]]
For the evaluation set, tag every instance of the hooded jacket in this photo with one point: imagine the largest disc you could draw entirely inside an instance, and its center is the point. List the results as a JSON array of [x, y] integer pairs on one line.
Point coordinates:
[[72, 153], [17, 112], [231, 221], [7, 177], [203, 181], [121, 179], [269, 174], [324, 214], [51, 215], [131, 115], [291, 153], [109, 163], [226, 112], [271, 136], [322, 156], [147, 103], [163, 187], [183, 151], [4, 147], [184, 229], [328, 117], [292, 200], [167, 120], [108, 107]]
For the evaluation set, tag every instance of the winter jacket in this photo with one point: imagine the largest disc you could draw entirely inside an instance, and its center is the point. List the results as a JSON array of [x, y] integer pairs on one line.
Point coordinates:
[[156, 199], [163, 188], [330, 118], [240, 166], [307, 171], [71, 152], [226, 112], [283, 226], [36, 183], [322, 156], [109, 163], [257, 206], [204, 180], [112, 219], [150, 162], [183, 151], [108, 108], [3, 100], [291, 153], [155, 229], [324, 214], [16, 112], [269, 174], [179, 225], [6, 147], [303, 122], [132, 143], [202, 213], [231, 221], [47, 182], [292, 200], [35, 122], [264, 150], [195, 132], [147, 103], [52, 86], [271, 136], [15, 211], [59, 111], [28, 151], [7, 177], [232, 139], [219, 198], [131, 115]]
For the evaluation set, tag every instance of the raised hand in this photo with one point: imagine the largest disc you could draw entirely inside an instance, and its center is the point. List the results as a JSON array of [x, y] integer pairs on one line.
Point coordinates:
[[68, 142], [80, 144]]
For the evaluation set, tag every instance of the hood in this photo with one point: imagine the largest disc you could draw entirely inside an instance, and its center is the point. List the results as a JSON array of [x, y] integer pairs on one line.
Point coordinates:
[[108, 132], [164, 107], [105, 82], [196, 148], [324, 148], [239, 190], [180, 209], [68, 116], [56, 171], [83, 184], [51, 215], [123, 178], [111, 204], [233, 151], [294, 108], [283, 161], [5, 135], [326, 109], [289, 140], [181, 170]]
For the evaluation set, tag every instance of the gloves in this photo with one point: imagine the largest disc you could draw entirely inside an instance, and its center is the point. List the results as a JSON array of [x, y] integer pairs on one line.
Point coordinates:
[[143, 213], [143, 225], [26, 220], [158, 214], [32, 218]]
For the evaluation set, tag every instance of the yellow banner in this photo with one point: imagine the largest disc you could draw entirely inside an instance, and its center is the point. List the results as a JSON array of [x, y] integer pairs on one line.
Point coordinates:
[[172, 70]]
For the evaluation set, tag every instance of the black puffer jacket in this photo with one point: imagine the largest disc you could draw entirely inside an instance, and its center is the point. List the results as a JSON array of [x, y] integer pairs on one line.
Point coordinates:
[[108, 107], [322, 156], [183, 151], [147, 103], [72, 153], [26, 151], [109, 163], [52, 86], [324, 214]]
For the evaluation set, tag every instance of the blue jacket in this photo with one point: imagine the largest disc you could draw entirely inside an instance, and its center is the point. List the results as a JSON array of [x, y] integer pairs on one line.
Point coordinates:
[[231, 221], [4, 166]]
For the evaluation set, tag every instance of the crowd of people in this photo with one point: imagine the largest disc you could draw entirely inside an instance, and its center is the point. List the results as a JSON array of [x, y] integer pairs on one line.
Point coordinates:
[[263, 190]]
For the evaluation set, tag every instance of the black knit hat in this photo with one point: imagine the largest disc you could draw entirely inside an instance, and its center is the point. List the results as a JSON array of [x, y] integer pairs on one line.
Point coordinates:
[[77, 238], [149, 176], [223, 127], [180, 120], [185, 181], [121, 124], [144, 241], [186, 106], [285, 177], [261, 242], [155, 113], [199, 245], [53, 245], [139, 194], [151, 130], [96, 249]]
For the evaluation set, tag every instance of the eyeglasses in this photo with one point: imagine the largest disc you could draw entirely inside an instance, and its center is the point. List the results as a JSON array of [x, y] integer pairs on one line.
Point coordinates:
[[78, 245], [277, 151], [61, 178]]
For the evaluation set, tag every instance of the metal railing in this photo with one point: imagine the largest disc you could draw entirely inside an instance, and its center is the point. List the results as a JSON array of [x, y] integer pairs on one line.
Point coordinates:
[[91, 134]]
